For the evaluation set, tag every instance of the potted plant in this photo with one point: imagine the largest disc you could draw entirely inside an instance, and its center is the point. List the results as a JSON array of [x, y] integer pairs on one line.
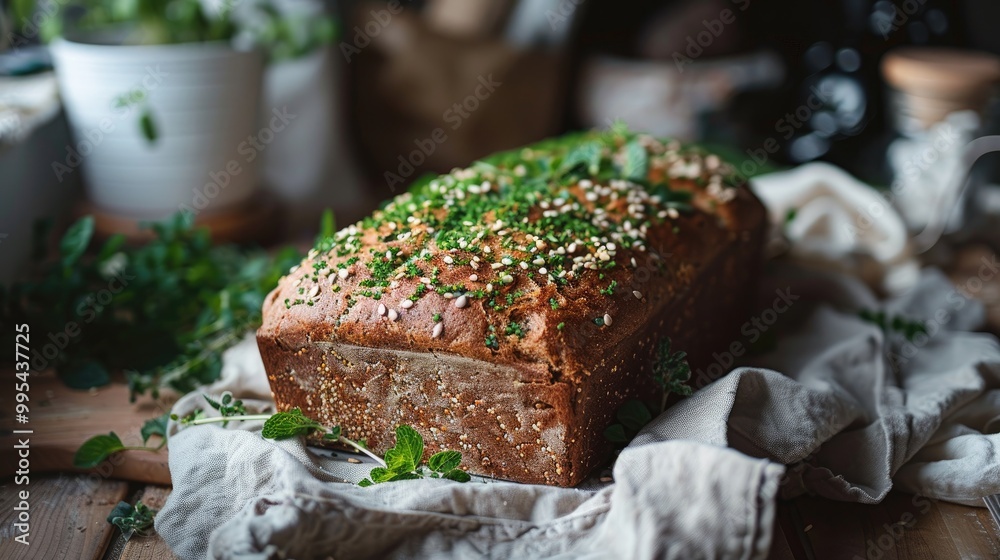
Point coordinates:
[[163, 96]]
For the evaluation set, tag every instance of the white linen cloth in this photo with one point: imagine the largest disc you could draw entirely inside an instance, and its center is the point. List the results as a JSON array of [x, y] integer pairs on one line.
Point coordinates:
[[853, 412]]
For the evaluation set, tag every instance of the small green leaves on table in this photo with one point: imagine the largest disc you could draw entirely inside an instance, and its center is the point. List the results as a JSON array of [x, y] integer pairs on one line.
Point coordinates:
[[131, 520]]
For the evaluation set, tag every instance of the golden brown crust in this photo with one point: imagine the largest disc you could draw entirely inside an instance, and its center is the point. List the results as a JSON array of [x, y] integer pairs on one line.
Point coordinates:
[[533, 406]]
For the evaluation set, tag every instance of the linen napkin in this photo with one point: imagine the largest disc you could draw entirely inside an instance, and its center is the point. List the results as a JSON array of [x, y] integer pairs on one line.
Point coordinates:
[[852, 412]]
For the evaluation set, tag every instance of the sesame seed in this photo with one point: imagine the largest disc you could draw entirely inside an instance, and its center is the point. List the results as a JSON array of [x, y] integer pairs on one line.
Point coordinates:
[[507, 279], [607, 319], [489, 288], [314, 291], [381, 309], [448, 259], [507, 261], [388, 255], [637, 294], [343, 273], [461, 302], [524, 265], [406, 304], [393, 314], [538, 262], [543, 270], [438, 329], [495, 266], [473, 277], [425, 280]]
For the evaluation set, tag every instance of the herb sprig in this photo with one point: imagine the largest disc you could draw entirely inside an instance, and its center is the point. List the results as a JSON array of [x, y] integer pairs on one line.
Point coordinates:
[[162, 312], [131, 519], [401, 462]]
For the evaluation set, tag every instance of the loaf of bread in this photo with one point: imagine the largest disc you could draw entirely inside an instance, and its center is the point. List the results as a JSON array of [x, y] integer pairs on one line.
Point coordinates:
[[507, 310]]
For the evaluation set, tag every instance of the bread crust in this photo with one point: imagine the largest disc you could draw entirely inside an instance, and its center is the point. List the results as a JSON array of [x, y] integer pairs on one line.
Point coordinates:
[[531, 405]]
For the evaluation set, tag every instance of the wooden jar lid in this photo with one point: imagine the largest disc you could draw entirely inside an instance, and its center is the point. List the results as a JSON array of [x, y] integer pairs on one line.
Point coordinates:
[[938, 81], [941, 72]]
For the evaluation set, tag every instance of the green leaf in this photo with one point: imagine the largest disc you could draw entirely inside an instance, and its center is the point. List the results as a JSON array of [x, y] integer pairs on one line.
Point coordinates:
[[458, 475], [445, 461], [587, 154], [132, 519], [212, 402], [283, 425], [380, 474], [636, 162], [409, 448], [634, 415], [365, 483], [96, 449], [147, 126], [74, 242], [155, 427], [616, 433]]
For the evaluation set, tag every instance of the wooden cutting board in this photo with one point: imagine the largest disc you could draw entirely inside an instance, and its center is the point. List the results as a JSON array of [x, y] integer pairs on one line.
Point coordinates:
[[61, 419]]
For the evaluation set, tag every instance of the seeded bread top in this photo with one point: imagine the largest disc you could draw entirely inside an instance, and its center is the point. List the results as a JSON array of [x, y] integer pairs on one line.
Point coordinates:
[[541, 255]]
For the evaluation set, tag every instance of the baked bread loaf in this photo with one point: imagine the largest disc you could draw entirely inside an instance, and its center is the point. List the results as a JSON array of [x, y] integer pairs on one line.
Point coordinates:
[[507, 310]]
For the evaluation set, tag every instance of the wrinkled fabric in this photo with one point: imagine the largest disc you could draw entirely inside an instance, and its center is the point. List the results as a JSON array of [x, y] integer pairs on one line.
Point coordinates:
[[850, 410]]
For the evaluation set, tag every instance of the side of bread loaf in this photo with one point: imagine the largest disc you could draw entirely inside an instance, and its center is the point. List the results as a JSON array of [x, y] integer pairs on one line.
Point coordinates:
[[507, 310]]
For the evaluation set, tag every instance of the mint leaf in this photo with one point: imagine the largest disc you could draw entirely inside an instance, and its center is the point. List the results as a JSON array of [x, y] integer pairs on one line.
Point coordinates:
[[634, 415], [132, 519], [97, 449], [154, 427], [636, 164], [408, 451], [587, 155], [380, 474], [74, 242], [283, 425], [445, 461], [458, 475], [365, 483]]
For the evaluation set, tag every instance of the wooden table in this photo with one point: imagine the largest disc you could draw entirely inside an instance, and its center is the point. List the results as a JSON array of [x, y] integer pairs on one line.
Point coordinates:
[[68, 510]]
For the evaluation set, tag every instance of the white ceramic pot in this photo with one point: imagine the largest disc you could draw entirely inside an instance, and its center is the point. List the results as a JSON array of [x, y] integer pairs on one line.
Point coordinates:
[[204, 100]]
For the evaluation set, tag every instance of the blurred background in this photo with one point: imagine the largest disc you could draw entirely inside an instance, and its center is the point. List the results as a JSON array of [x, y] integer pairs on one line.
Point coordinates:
[[257, 114]]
